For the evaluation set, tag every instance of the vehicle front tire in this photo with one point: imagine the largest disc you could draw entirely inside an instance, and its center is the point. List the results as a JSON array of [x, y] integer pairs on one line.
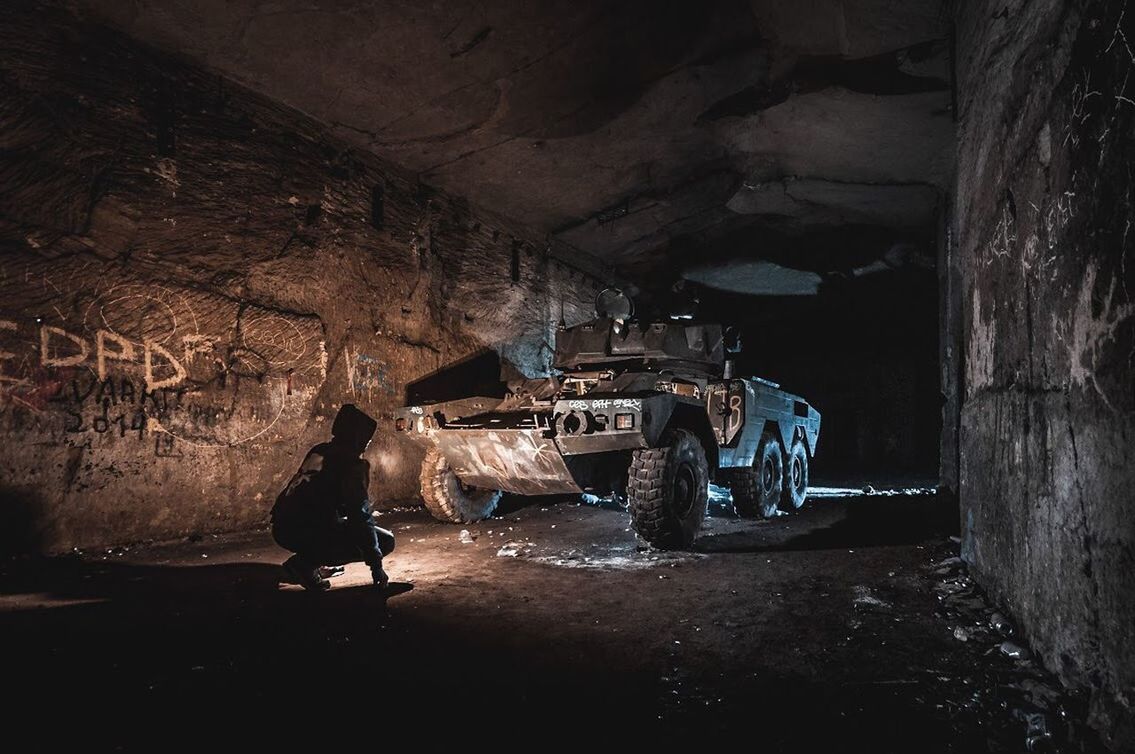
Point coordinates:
[[795, 477], [757, 489], [668, 490], [447, 499]]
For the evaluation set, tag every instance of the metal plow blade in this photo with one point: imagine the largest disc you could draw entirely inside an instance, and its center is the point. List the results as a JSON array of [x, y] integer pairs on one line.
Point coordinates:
[[514, 460]]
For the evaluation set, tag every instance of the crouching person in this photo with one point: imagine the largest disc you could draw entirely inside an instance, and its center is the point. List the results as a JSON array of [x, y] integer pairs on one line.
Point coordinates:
[[324, 513]]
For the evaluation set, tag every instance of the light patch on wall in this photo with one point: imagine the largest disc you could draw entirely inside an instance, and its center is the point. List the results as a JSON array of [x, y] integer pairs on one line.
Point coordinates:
[[387, 462], [1090, 334], [756, 277], [982, 343]]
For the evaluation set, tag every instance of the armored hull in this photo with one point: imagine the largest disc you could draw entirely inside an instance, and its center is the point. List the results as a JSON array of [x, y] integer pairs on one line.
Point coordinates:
[[631, 401]]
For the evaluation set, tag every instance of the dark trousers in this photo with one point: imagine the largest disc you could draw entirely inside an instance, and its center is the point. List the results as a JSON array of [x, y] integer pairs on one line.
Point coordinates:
[[339, 544]]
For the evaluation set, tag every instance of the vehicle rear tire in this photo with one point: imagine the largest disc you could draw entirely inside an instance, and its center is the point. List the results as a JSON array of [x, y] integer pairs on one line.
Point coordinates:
[[447, 499], [795, 477], [668, 490], [757, 490]]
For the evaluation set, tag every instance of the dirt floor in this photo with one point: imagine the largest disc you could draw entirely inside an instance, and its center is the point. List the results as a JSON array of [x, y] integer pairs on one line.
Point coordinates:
[[848, 626]]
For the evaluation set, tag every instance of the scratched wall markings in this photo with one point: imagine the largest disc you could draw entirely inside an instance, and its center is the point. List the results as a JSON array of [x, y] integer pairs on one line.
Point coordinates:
[[149, 361]]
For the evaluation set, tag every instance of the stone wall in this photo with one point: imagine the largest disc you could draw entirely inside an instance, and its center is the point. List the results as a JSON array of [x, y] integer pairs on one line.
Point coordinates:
[[1044, 219], [193, 279]]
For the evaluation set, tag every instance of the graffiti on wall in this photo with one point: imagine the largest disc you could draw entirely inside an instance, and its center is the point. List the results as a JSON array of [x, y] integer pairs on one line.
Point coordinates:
[[163, 365], [366, 376]]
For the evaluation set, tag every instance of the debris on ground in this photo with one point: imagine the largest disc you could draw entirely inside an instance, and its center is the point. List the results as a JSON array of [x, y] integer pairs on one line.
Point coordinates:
[[466, 537], [867, 490], [1014, 651], [947, 566], [1037, 732], [620, 557], [999, 623], [1019, 700], [513, 549], [396, 509], [864, 596]]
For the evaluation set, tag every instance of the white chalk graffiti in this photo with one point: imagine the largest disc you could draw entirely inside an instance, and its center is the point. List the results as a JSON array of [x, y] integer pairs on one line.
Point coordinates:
[[1004, 235], [1090, 333], [185, 364]]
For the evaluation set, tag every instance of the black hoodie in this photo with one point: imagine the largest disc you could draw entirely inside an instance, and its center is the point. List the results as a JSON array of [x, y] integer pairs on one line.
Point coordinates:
[[332, 484]]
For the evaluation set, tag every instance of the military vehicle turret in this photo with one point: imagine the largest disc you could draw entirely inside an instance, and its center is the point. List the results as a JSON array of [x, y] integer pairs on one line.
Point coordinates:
[[647, 411]]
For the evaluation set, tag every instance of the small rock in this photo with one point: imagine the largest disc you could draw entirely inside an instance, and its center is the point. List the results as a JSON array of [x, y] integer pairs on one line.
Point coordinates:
[[961, 633], [513, 549], [1001, 624], [1015, 651], [1037, 734], [947, 566], [864, 596], [1040, 693], [465, 537]]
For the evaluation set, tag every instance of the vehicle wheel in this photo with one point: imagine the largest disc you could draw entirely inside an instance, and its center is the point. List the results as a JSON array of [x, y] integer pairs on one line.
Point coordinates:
[[668, 490], [447, 498], [756, 491], [795, 477]]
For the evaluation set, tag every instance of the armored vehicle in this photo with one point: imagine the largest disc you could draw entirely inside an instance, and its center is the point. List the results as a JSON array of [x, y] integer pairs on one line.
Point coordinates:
[[646, 411]]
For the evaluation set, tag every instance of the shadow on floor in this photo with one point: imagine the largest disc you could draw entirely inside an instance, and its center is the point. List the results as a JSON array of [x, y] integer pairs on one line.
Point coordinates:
[[22, 516], [204, 656], [855, 522]]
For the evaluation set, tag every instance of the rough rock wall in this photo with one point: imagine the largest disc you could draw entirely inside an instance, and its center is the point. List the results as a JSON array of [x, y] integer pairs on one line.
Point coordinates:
[[1044, 221], [193, 279]]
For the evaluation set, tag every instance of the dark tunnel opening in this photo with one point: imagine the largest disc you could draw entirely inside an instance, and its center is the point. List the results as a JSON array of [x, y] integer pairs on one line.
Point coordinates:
[[865, 352]]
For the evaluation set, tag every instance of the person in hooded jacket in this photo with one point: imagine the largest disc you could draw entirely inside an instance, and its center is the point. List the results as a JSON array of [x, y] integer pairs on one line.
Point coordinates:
[[323, 515]]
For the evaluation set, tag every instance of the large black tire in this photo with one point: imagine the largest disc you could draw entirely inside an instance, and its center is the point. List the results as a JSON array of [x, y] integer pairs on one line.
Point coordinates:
[[447, 499], [757, 489], [668, 490], [795, 477]]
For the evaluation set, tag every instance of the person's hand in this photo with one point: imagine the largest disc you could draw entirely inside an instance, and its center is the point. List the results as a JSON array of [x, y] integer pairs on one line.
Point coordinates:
[[380, 577]]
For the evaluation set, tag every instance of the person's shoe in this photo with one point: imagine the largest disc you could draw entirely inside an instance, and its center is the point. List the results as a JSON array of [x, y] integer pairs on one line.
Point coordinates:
[[305, 575], [330, 572]]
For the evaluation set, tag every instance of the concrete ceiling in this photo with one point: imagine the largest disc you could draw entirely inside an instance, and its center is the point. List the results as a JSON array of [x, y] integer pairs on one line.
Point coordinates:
[[655, 136]]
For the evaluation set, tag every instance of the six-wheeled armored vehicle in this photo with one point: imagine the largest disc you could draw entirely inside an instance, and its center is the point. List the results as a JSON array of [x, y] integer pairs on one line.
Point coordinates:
[[646, 411]]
